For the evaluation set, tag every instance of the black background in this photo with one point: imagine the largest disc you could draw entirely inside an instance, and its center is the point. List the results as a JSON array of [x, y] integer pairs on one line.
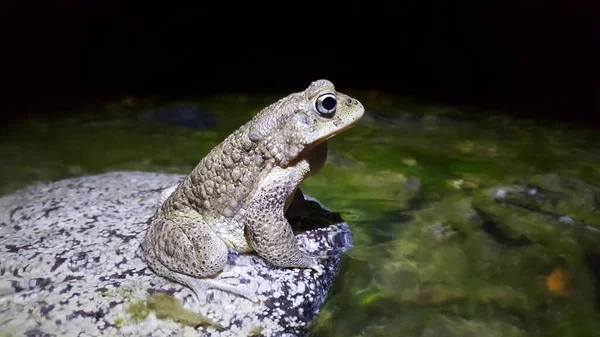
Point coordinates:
[[537, 59]]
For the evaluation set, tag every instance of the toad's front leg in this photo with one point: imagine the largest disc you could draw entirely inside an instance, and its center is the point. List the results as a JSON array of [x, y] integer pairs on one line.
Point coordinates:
[[266, 227]]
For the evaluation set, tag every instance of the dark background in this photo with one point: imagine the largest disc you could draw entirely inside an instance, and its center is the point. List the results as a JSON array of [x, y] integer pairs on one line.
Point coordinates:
[[537, 59]]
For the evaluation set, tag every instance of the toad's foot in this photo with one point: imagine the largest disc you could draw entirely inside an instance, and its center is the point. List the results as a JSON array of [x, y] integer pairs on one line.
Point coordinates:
[[318, 269], [200, 285]]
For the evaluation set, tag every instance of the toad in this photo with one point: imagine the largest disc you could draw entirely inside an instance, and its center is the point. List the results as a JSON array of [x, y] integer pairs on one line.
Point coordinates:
[[236, 197]]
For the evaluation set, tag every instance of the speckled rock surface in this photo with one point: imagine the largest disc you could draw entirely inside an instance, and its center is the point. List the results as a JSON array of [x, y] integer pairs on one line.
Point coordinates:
[[68, 266]]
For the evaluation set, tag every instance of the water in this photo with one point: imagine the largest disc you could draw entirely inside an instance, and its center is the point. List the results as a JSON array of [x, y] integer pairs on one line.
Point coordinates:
[[464, 228]]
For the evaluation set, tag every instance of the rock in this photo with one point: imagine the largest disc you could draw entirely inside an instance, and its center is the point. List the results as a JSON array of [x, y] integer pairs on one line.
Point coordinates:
[[187, 116], [548, 208], [68, 266]]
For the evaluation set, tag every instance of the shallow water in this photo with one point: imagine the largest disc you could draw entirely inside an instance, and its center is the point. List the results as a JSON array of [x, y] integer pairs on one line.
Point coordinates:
[[484, 227], [464, 224]]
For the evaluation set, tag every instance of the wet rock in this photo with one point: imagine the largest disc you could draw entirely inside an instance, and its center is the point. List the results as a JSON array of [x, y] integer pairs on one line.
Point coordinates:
[[69, 267]]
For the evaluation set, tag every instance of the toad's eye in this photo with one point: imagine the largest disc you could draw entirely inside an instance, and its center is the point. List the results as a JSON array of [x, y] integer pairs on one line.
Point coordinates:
[[325, 105]]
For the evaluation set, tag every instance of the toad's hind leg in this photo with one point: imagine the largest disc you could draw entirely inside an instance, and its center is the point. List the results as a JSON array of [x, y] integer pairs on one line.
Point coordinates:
[[186, 250]]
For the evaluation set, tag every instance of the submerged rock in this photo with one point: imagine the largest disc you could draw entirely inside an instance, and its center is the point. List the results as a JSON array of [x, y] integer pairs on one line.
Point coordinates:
[[547, 208], [68, 266]]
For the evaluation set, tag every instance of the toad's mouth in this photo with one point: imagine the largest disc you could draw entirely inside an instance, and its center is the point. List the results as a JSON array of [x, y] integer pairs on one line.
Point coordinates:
[[349, 125], [337, 132]]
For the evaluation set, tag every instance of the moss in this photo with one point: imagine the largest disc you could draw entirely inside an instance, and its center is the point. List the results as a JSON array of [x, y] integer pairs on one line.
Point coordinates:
[[168, 307], [256, 331], [138, 311]]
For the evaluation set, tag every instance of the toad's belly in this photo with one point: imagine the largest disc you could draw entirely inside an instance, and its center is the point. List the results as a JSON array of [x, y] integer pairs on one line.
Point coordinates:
[[232, 233]]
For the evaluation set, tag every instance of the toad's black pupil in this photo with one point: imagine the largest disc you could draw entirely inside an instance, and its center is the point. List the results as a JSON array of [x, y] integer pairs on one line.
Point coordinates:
[[329, 103]]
